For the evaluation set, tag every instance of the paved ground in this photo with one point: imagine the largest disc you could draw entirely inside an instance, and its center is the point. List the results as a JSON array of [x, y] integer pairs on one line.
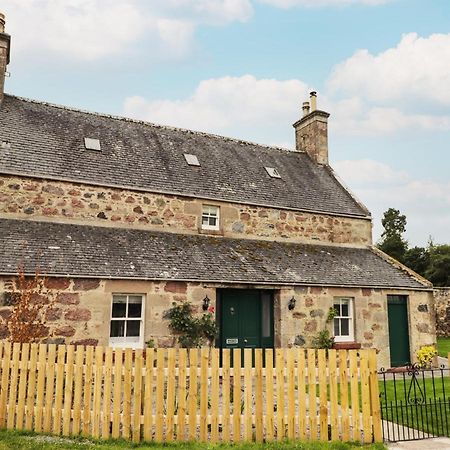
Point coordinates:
[[425, 444]]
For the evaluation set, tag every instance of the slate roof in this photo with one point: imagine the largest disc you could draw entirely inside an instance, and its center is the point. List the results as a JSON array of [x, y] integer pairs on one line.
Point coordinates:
[[47, 141], [101, 252]]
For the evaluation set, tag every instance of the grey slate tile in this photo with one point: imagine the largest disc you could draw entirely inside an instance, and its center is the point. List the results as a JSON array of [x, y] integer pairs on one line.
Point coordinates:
[[87, 251], [48, 141]]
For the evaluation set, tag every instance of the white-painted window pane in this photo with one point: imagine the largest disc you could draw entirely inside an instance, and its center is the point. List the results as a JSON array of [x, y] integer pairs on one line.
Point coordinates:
[[133, 328], [117, 328], [344, 310], [119, 309], [345, 327], [134, 309], [336, 327]]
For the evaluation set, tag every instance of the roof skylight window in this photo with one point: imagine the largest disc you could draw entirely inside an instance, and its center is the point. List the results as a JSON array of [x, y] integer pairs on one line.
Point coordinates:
[[192, 160], [272, 172], [92, 144]]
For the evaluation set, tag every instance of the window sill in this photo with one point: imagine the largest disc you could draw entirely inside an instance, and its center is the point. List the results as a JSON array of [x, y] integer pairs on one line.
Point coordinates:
[[210, 232], [347, 346]]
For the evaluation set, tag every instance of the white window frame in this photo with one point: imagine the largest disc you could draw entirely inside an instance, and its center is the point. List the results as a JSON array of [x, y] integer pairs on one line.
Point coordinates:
[[123, 341], [207, 213], [350, 317]]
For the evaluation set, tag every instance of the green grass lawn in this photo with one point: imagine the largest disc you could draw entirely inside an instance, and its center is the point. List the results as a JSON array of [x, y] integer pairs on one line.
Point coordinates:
[[443, 346], [25, 441], [423, 415]]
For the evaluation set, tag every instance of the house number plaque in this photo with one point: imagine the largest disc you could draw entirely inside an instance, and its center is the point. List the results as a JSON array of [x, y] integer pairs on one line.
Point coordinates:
[[232, 341]]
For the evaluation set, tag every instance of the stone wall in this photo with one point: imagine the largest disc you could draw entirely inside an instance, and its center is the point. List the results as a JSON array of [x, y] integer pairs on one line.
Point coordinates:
[[82, 311], [442, 305], [70, 202], [298, 327]]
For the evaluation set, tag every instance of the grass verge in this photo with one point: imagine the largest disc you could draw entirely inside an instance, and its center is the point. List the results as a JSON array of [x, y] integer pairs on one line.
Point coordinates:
[[443, 346], [16, 440]]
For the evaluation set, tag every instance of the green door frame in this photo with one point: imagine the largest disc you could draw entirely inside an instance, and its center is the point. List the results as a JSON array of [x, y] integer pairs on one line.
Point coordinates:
[[266, 311], [398, 321]]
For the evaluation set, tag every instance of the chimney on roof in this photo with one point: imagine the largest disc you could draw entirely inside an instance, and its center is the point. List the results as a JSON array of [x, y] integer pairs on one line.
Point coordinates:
[[311, 131], [5, 40]]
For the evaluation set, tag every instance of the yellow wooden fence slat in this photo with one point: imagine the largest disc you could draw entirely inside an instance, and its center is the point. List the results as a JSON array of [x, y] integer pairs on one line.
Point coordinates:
[[301, 395], [97, 391], [312, 394], [204, 364], [160, 379], [87, 391], [354, 392], [226, 395], [31, 387], [78, 390], [59, 389], [280, 366], [23, 379], [365, 396], [137, 396], [237, 363], [214, 395], [106, 420], [127, 377], [334, 402], [290, 379], [259, 395], [49, 388], [323, 397], [181, 416], [13, 386], [269, 422], [248, 398], [68, 390], [40, 392], [193, 390], [170, 398], [343, 382], [148, 394], [117, 393], [375, 397], [5, 351]]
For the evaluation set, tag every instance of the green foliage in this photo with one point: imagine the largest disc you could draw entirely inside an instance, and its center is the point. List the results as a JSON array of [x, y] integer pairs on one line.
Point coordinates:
[[332, 313], [438, 271], [191, 331], [417, 259], [392, 241], [323, 339]]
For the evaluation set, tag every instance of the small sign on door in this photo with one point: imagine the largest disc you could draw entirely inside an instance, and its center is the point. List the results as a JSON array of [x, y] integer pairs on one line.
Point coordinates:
[[232, 341]]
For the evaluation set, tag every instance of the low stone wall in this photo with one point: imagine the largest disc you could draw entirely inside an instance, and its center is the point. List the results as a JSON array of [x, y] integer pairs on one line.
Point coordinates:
[[442, 305], [70, 202]]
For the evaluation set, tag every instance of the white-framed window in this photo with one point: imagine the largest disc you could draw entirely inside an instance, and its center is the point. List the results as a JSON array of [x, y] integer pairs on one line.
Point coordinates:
[[210, 217], [127, 321], [343, 321]]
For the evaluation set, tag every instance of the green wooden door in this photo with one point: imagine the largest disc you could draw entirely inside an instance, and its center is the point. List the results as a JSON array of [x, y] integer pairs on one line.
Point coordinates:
[[246, 319], [398, 330]]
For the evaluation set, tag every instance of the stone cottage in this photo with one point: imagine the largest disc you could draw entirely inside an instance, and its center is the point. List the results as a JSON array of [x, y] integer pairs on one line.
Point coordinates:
[[125, 217]]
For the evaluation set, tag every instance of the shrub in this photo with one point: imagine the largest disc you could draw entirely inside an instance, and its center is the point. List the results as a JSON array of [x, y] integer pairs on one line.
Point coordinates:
[[425, 356]]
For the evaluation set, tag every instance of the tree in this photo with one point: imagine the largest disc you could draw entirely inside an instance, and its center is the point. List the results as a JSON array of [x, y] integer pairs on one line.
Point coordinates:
[[438, 271], [418, 259], [392, 241]]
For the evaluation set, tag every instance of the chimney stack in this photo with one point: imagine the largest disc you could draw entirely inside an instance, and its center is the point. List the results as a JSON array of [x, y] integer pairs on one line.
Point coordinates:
[[5, 40], [311, 131]]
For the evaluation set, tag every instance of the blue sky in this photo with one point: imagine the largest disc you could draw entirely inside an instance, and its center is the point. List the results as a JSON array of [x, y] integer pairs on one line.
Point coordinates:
[[242, 68]]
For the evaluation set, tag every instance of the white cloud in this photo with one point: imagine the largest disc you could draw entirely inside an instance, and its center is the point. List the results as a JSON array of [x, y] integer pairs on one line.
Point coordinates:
[[240, 106], [415, 72], [401, 88], [426, 203], [321, 3], [93, 29]]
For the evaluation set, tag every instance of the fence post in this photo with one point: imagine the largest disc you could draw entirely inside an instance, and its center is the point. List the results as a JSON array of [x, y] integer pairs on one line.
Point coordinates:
[[375, 397]]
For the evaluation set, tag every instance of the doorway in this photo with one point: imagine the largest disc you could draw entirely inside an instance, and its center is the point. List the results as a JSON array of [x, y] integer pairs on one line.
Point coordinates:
[[398, 330]]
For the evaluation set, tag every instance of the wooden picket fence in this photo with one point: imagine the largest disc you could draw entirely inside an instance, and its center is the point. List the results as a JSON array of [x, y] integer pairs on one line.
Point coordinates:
[[179, 394]]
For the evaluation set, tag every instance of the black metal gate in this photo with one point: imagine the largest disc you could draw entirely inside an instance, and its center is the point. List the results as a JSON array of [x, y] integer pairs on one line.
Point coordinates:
[[415, 403]]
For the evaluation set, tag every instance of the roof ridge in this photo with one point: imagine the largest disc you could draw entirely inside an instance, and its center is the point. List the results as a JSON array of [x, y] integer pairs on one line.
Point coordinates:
[[143, 122]]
